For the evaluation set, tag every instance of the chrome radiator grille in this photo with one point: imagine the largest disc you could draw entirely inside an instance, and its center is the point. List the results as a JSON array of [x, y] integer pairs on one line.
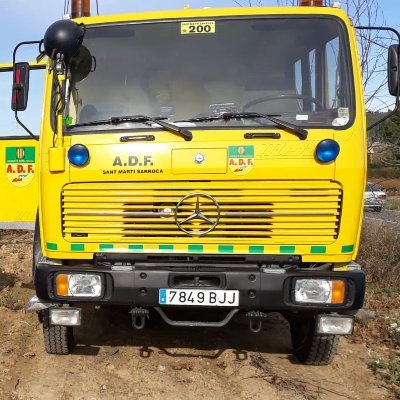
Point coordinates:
[[259, 212]]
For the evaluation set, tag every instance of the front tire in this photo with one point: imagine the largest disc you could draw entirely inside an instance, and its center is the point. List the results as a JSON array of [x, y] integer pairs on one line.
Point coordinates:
[[57, 339], [308, 346]]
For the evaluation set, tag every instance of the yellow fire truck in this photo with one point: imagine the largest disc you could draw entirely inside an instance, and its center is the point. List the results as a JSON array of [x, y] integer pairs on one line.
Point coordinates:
[[205, 160]]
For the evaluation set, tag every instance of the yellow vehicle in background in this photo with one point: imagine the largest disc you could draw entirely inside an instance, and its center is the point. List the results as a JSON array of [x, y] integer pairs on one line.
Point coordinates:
[[19, 154], [204, 160]]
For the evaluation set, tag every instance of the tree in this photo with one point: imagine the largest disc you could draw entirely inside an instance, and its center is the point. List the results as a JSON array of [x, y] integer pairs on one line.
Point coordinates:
[[391, 132], [250, 3]]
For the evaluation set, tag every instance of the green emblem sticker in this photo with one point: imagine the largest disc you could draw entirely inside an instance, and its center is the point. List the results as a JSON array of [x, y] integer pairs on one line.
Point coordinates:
[[68, 121], [240, 159], [20, 165]]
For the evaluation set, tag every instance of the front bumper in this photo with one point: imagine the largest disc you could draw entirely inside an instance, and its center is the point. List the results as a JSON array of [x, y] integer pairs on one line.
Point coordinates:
[[260, 288]]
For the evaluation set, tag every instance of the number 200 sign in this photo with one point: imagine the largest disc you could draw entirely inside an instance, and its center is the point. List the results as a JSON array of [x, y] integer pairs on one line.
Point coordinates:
[[197, 27]]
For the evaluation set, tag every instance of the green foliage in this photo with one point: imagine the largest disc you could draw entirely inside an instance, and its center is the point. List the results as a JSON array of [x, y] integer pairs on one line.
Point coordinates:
[[373, 117], [384, 139], [391, 128], [377, 365], [389, 371], [383, 172]]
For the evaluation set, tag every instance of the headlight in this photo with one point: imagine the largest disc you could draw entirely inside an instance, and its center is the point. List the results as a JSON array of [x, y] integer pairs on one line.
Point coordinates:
[[78, 285], [323, 291]]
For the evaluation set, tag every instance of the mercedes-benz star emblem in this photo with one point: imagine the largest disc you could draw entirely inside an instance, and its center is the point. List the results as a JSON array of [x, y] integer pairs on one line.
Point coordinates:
[[199, 158], [198, 222]]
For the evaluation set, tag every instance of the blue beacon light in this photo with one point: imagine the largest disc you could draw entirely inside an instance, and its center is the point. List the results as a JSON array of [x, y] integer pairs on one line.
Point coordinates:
[[327, 150], [78, 155]]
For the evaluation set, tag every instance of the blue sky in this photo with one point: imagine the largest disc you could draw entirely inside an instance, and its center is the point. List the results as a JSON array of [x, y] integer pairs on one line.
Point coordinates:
[[22, 20]]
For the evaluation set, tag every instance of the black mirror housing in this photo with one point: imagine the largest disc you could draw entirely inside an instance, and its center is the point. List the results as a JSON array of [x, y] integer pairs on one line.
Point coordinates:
[[63, 37], [393, 70], [20, 88]]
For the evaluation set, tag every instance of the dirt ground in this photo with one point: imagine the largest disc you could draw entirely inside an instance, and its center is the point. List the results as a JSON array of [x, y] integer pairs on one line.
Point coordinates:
[[113, 361]]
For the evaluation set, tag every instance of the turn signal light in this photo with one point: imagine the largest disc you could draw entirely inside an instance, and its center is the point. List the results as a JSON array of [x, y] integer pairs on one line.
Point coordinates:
[[62, 285], [338, 291]]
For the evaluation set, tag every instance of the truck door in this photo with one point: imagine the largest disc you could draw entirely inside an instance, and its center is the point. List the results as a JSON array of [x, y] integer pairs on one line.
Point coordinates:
[[19, 152]]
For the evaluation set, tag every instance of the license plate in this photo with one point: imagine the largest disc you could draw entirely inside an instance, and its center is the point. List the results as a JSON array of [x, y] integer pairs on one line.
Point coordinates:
[[199, 297]]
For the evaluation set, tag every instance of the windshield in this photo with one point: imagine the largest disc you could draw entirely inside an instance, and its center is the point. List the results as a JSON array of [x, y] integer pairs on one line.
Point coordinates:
[[294, 68]]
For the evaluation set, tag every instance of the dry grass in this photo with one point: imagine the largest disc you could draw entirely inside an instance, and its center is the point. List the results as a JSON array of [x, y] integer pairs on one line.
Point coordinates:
[[380, 258], [393, 204], [382, 335], [379, 253]]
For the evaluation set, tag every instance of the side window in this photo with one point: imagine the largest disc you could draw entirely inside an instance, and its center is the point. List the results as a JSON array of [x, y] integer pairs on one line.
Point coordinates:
[[298, 79], [31, 117], [312, 59], [333, 73]]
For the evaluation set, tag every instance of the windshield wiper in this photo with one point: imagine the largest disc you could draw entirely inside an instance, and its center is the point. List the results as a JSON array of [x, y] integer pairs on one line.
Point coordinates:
[[185, 133], [300, 132]]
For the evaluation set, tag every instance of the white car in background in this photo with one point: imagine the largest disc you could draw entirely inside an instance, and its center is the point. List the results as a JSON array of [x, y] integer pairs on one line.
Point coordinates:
[[374, 198]]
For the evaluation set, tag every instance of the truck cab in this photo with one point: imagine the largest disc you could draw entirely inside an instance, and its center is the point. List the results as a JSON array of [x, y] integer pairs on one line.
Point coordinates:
[[207, 159]]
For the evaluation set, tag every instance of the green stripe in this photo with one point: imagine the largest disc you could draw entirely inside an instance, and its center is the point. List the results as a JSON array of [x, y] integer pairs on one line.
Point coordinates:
[[348, 248], [225, 249], [256, 249], [77, 247], [135, 247], [166, 247], [287, 249], [195, 248], [106, 247], [51, 246], [318, 249]]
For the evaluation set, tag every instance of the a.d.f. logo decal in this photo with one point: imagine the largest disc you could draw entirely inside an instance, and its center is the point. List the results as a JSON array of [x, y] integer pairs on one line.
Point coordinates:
[[20, 165], [241, 159]]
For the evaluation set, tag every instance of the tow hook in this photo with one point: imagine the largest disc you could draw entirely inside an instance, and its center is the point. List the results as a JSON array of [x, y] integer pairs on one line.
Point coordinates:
[[139, 316], [255, 320]]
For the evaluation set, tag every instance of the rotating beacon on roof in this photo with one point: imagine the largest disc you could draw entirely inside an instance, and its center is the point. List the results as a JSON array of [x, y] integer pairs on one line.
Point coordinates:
[[211, 160]]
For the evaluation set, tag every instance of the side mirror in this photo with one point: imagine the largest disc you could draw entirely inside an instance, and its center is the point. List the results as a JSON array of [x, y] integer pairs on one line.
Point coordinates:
[[393, 69], [20, 88], [82, 64]]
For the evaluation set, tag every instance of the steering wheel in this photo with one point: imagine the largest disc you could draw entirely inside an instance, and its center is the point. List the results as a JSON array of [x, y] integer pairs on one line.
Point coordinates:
[[318, 104]]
